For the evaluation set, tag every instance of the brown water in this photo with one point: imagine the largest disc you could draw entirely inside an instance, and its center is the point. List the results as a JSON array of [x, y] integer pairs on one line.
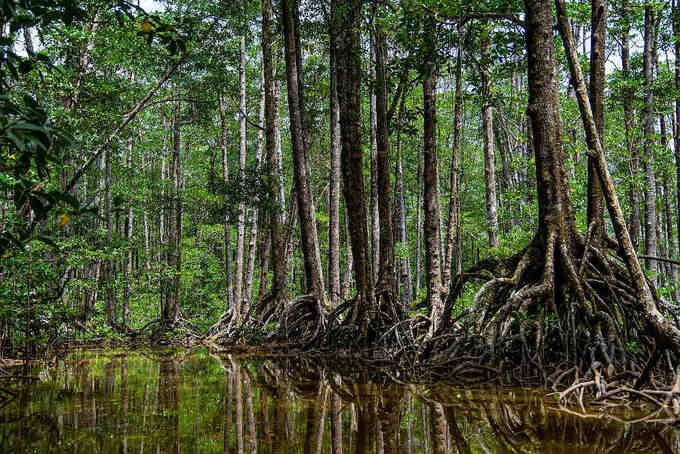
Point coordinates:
[[192, 402]]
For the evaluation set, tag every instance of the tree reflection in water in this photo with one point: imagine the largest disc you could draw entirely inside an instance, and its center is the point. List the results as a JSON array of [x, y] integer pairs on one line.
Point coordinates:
[[172, 402]]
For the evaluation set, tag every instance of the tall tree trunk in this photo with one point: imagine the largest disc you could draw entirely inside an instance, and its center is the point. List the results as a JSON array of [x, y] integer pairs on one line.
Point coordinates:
[[255, 211], [334, 189], [128, 238], [309, 240], [172, 297], [419, 224], [374, 220], [272, 144], [386, 274], [676, 129], [595, 210], [401, 234], [229, 298], [431, 190], [242, 150], [346, 16], [489, 151], [453, 177], [648, 131], [109, 274], [633, 193]]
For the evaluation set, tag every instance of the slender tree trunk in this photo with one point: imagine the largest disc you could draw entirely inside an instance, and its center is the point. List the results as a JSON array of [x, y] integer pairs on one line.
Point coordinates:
[[128, 238], [633, 193], [306, 212], [489, 152], [676, 129], [453, 177], [648, 131], [386, 266], [229, 299], [431, 194], [242, 150], [374, 220], [254, 211], [271, 108], [595, 210], [334, 189], [110, 296], [401, 234], [172, 297], [419, 225]]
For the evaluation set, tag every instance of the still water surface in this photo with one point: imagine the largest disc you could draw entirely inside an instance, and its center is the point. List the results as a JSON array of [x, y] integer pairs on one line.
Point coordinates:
[[194, 402]]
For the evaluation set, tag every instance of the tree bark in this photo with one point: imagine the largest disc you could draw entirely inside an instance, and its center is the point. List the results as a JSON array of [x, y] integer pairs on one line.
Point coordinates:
[[374, 220], [676, 129], [309, 240], [386, 269], [401, 234], [634, 194], [334, 189], [174, 253], [109, 274], [255, 211], [227, 227], [128, 237], [242, 151], [648, 131], [489, 151], [431, 191], [346, 16], [271, 108], [595, 211]]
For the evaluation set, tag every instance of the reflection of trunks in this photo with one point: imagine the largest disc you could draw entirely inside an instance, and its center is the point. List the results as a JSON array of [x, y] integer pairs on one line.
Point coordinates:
[[173, 402]]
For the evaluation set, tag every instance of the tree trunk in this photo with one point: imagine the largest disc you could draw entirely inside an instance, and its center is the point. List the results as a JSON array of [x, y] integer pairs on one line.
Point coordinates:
[[110, 306], [453, 177], [419, 225], [128, 238], [255, 211], [676, 129], [242, 150], [271, 108], [634, 194], [648, 131], [489, 151], [401, 234], [309, 240], [374, 220], [386, 274], [346, 16], [172, 297], [431, 197], [334, 189], [595, 210], [227, 227]]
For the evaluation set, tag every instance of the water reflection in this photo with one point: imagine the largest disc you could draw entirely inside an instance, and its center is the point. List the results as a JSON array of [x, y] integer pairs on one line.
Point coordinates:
[[191, 402]]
